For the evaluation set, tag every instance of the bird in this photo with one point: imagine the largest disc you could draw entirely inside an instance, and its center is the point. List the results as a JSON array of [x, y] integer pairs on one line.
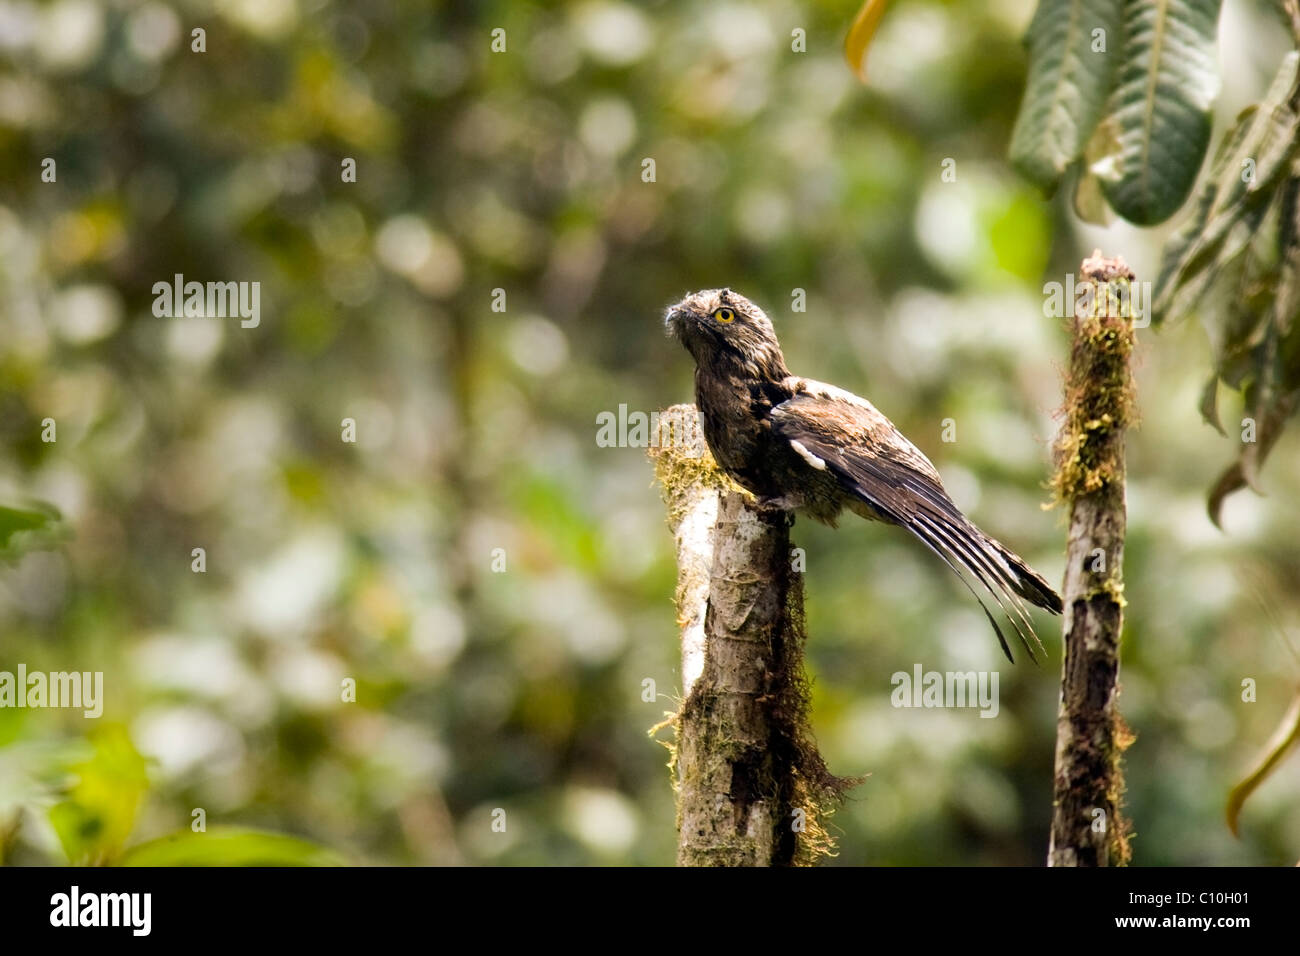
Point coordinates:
[[804, 446]]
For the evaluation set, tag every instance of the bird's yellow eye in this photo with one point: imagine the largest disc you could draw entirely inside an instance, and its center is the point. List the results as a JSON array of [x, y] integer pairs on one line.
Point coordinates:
[[724, 315]]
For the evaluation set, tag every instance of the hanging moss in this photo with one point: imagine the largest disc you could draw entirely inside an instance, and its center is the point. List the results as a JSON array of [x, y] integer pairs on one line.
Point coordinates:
[[752, 787]]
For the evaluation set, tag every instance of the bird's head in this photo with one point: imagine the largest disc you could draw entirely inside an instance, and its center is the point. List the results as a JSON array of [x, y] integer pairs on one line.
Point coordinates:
[[719, 326]]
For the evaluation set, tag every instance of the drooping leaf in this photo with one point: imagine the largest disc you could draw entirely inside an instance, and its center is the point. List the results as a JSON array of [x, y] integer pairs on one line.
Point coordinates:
[[1234, 300], [1286, 304], [1174, 271], [1284, 738], [1247, 172], [1236, 263], [230, 846], [1209, 404], [1073, 48], [1256, 340], [1270, 407], [860, 34], [1158, 115]]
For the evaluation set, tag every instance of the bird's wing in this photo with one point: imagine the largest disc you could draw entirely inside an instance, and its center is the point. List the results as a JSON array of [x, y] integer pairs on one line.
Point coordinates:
[[875, 464]]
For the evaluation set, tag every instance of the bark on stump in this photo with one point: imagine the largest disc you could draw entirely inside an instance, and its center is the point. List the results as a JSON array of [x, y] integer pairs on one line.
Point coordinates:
[[751, 786], [1087, 829]]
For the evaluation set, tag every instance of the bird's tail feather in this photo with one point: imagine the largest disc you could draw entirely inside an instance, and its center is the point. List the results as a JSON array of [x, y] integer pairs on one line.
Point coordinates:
[[1002, 640], [1029, 584], [919, 504], [1006, 577], [971, 549]]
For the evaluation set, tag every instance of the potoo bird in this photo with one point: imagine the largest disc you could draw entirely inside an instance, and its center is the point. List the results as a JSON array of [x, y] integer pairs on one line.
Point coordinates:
[[799, 444]]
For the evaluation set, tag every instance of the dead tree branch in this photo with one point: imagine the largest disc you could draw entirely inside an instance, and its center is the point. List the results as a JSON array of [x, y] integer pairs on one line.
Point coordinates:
[[1087, 829]]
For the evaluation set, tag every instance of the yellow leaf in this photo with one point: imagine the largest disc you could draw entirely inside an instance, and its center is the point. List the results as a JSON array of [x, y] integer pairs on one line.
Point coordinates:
[[860, 34], [1283, 739]]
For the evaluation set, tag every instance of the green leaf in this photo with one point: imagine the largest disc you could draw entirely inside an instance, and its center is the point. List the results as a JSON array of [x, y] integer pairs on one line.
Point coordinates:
[[1271, 398], [1243, 324], [1070, 70], [230, 846], [1286, 306], [1254, 335], [20, 528], [1176, 269], [1210, 404], [98, 811], [1157, 120], [1248, 169]]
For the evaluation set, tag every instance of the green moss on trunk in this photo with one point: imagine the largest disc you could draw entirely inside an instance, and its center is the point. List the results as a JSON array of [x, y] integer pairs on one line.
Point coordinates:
[[1087, 826]]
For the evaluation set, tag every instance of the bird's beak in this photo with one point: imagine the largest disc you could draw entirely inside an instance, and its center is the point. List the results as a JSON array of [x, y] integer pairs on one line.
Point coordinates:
[[675, 320]]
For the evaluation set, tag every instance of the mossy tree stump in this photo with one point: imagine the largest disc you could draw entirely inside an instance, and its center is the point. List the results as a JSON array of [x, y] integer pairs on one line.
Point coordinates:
[[1087, 828], [751, 787]]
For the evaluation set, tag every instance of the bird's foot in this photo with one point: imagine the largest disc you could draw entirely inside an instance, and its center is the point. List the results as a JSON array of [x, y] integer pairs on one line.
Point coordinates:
[[776, 503]]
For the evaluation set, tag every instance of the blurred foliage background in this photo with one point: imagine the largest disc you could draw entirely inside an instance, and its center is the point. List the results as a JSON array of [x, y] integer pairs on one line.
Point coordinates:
[[476, 430]]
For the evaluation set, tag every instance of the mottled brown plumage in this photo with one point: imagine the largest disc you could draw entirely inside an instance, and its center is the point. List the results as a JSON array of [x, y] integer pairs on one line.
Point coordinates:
[[800, 444]]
